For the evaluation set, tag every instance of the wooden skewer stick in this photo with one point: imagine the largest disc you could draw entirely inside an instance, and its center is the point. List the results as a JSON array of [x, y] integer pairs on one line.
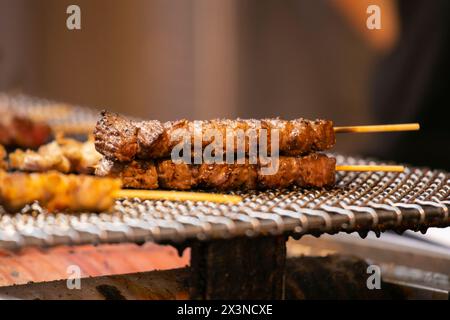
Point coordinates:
[[373, 168], [379, 128], [86, 129], [177, 196]]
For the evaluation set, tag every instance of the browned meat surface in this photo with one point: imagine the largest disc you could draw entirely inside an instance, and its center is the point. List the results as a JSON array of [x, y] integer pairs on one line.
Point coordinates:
[[314, 170], [228, 177], [176, 176], [137, 174], [116, 137], [63, 155], [149, 132], [121, 139], [18, 131]]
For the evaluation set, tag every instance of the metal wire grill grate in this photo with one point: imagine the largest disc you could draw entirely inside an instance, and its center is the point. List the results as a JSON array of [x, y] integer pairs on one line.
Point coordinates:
[[415, 199], [57, 115]]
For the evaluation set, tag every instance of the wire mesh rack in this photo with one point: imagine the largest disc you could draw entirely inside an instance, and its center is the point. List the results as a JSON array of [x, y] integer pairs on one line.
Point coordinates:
[[416, 199], [71, 118]]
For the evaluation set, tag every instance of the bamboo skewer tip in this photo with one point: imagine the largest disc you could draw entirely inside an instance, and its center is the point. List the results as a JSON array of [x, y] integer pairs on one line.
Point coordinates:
[[378, 128], [371, 168]]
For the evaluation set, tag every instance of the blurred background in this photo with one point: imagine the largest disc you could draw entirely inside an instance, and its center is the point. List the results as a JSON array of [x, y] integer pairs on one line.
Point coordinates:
[[201, 59]]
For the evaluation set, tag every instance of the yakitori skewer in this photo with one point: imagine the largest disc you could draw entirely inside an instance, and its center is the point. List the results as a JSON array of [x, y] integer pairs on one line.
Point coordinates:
[[378, 128], [314, 170], [81, 193], [122, 139], [87, 129]]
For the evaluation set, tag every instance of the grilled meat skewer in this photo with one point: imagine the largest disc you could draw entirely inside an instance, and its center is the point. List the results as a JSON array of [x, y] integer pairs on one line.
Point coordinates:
[[57, 191], [123, 140], [314, 170]]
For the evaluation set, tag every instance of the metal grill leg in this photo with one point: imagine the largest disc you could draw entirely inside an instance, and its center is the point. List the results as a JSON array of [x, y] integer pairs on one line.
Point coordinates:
[[242, 268]]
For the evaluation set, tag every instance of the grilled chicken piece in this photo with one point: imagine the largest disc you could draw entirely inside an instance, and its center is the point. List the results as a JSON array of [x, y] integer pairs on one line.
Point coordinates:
[[123, 140], [56, 191], [314, 170], [48, 157], [82, 156], [63, 155]]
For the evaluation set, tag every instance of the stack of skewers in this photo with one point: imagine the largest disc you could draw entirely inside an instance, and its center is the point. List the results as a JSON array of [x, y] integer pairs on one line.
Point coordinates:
[[136, 155]]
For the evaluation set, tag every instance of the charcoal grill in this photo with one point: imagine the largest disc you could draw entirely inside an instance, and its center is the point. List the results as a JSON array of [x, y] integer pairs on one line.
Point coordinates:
[[416, 199]]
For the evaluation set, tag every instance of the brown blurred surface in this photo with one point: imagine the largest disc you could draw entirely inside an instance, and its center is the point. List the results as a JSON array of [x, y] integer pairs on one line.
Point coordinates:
[[201, 59], [197, 59], [333, 277], [155, 285], [38, 265]]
